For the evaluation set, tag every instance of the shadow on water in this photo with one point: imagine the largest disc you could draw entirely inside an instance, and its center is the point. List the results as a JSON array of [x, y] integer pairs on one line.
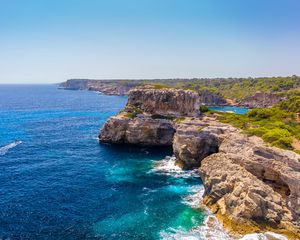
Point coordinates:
[[156, 152]]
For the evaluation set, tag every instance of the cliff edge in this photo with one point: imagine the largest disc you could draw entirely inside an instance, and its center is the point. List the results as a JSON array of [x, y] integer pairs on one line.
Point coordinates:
[[249, 185]]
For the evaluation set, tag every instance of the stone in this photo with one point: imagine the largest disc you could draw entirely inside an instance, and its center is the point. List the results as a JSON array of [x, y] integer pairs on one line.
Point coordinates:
[[165, 102]]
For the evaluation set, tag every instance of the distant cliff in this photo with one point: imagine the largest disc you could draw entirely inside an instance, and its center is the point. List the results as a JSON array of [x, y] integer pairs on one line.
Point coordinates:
[[248, 92], [261, 100], [122, 87], [108, 87]]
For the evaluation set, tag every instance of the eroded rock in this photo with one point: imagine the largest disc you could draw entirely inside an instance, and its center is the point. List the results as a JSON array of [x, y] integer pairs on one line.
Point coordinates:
[[141, 130], [165, 102]]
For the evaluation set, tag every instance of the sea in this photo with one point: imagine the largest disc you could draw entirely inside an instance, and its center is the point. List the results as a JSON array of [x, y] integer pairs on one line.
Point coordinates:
[[58, 182]]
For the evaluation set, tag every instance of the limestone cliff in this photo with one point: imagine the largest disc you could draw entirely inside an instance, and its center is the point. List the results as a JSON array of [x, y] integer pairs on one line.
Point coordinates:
[[147, 118], [141, 130], [261, 100], [248, 184], [170, 102]]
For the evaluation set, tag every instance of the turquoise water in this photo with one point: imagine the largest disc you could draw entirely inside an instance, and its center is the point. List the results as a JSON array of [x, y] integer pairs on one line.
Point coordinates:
[[233, 109], [60, 183]]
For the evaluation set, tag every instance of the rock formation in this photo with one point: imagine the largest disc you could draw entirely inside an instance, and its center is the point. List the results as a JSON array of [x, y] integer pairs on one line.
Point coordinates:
[[261, 100], [147, 118], [248, 184], [165, 102], [141, 130], [212, 99]]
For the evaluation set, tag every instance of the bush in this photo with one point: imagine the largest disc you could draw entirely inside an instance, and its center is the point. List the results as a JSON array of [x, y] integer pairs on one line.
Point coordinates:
[[292, 104], [158, 116], [256, 131], [203, 108], [279, 137]]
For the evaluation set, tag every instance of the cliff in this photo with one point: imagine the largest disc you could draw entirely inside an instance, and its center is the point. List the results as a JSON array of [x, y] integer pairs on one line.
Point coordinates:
[[261, 100], [165, 102], [249, 185], [108, 87], [147, 118], [123, 87]]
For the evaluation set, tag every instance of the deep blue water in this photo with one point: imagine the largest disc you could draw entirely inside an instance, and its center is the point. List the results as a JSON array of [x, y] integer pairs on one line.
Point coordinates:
[[233, 109], [60, 183]]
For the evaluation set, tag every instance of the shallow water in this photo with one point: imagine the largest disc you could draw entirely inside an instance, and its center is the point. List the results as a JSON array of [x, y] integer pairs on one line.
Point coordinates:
[[60, 183], [232, 109]]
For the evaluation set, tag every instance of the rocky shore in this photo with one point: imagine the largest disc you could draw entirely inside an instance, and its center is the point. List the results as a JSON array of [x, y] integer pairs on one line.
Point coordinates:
[[249, 185], [207, 97]]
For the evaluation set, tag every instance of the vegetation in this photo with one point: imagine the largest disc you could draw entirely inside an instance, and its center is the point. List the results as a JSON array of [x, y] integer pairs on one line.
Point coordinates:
[[275, 125], [160, 86], [292, 104], [158, 116], [228, 88], [132, 111], [203, 109], [179, 119]]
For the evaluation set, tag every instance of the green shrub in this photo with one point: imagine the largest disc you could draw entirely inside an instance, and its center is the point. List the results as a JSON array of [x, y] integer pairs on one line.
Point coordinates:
[[292, 104], [158, 116], [256, 131], [278, 137], [132, 111], [203, 109], [179, 119], [160, 86]]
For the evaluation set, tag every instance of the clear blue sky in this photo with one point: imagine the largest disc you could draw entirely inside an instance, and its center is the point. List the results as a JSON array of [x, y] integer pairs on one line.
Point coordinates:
[[45, 41]]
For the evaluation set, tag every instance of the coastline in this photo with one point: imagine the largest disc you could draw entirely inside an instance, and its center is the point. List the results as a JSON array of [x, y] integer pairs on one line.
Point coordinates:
[[194, 141]]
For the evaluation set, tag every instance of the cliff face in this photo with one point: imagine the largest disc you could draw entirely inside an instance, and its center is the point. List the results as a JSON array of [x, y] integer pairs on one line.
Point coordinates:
[[142, 130], [146, 118], [108, 87], [261, 100], [212, 99], [248, 184], [119, 87], [170, 102]]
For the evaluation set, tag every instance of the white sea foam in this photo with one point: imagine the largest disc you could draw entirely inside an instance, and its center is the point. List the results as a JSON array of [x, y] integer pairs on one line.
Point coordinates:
[[168, 167], [211, 230], [194, 199], [5, 149], [264, 236]]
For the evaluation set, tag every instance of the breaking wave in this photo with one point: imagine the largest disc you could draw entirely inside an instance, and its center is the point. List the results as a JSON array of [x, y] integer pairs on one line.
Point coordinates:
[[168, 166], [5, 149]]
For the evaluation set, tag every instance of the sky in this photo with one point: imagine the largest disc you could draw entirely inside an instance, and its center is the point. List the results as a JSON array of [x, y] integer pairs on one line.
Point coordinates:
[[49, 41]]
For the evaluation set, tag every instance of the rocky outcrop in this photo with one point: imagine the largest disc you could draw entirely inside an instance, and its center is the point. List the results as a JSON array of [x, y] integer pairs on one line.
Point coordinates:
[[261, 100], [212, 99], [248, 184], [193, 141], [108, 87], [147, 118], [165, 102], [141, 130]]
